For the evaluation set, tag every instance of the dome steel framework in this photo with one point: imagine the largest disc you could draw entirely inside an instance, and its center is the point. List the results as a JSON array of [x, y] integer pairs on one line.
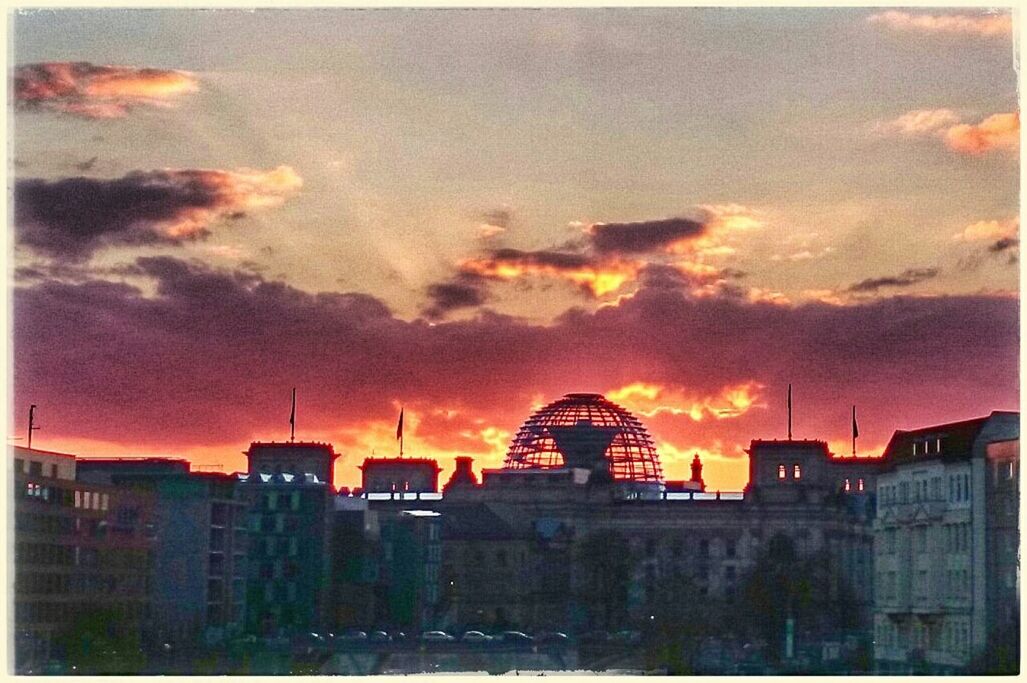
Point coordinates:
[[582, 422]]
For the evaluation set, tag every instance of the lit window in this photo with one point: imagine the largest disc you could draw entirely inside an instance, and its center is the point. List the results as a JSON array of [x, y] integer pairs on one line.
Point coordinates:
[[937, 445], [914, 448], [796, 472], [848, 485], [780, 471], [859, 484]]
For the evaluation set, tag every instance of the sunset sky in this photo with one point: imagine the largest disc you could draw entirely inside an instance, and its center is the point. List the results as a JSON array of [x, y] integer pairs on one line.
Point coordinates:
[[471, 213]]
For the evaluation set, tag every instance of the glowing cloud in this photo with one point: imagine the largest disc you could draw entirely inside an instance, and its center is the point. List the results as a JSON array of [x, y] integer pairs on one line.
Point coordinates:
[[990, 230], [596, 276], [652, 399], [919, 122], [95, 91], [998, 131], [964, 24]]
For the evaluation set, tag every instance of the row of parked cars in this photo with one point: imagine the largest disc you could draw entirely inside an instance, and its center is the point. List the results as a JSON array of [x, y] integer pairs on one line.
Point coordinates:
[[356, 637]]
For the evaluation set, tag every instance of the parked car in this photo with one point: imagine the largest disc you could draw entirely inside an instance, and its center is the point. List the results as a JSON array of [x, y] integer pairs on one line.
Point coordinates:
[[437, 637], [515, 637], [397, 635], [379, 637], [351, 636], [476, 637], [552, 638]]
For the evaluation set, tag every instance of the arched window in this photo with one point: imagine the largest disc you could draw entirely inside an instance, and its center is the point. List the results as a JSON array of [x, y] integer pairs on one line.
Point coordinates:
[[781, 471], [796, 471], [848, 486], [859, 484]]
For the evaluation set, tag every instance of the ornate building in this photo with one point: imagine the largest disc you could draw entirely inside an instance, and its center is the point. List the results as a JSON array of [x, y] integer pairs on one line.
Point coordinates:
[[582, 482], [945, 543]]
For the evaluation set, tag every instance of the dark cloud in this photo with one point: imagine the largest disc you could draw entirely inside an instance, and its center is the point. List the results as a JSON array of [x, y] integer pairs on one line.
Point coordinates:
[[643, 236], [465, 290], [1004, 244], [71, 218], [204, 357], [907, 278], [559, 260]]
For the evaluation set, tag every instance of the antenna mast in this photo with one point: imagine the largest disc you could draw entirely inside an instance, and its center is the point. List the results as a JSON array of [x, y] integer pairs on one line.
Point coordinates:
[[32, 422]]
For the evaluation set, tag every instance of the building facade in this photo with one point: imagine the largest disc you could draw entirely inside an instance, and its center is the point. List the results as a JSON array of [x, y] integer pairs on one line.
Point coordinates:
[[200, 546], [288, 579], [82, 553], [413, 475], [932, 531]]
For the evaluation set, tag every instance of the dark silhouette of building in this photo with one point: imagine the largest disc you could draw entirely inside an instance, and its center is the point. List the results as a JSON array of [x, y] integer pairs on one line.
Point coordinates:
[[413, 475], [1002, 508], [525, 544], [80, 550], [463, 474], [293, 457], [412, 568], [288, 581], [197, 583]]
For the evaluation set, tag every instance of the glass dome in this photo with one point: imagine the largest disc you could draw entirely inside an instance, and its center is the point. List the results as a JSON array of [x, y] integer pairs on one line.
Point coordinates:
[[580, 429]]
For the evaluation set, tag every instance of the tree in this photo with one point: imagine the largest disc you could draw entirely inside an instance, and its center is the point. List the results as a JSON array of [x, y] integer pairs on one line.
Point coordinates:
[[784, 586], [101, 642]]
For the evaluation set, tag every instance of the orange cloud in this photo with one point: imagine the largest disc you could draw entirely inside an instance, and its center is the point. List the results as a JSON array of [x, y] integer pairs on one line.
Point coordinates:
[[998, 131], [965, 24], [989, 230], [597, 276], [651, 399], [95, 91]]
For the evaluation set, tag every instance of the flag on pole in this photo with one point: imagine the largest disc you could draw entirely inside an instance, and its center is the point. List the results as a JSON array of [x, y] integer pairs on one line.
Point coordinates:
[[399, 432], [292, 416]]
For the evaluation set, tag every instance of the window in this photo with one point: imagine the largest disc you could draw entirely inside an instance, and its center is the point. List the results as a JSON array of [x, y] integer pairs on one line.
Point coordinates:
[[294, 500], [19, 466], [966, 486], [272, 501], [36, 468], [937, 445], [859, 484], [914, 448], [781, 471], [796, 471], [848, 485], [731, 551], [53, 470]]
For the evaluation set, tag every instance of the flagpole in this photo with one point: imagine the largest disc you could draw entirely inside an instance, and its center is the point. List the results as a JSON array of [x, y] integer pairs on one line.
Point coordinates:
[[855, 431], [789, 412], [292, 418]]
